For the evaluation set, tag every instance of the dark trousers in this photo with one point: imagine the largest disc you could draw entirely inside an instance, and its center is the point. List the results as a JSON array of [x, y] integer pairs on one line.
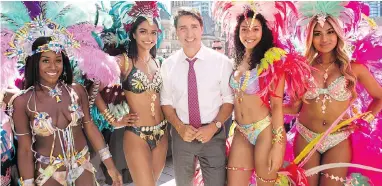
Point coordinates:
[[211, 156], [227, 126]]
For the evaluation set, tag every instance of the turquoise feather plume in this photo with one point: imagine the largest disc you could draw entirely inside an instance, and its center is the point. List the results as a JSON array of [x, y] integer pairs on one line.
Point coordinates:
[[310, 9], [52, 8], [63, 13], [163, 7], [11, 19], [70, 15], [98, 39]]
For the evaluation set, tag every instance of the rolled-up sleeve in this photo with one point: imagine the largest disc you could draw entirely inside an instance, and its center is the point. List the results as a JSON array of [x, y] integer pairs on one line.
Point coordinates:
[[227, 94], [165, 94]]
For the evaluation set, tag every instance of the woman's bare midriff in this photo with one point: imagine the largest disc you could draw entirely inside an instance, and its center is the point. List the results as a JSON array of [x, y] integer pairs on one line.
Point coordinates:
[[140, 104], [311, 115], [250, 110], [43, 145]]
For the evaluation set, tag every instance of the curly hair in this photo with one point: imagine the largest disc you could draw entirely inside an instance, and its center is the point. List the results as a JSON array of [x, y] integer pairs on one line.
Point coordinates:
[[342, 58], [265, 43]]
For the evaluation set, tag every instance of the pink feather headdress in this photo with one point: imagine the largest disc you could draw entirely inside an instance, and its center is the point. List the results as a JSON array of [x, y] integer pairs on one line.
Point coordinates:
[[276, 14]]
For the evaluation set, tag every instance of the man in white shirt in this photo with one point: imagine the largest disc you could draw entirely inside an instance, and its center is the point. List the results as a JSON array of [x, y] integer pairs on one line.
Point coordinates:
[[196, 99], [218, 46]]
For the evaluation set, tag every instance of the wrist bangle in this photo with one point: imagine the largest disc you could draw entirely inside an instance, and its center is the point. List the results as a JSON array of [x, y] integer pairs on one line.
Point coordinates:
[[104, 153], [278, 136], [368, 117], [109, 117], [27, 182]]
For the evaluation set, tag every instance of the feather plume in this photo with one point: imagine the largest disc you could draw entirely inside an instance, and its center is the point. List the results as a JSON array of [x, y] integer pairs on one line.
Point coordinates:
[[52, 8], [71, 15], [8, 70], [12, 19], [33, 7], [274, 65], [94, 62]]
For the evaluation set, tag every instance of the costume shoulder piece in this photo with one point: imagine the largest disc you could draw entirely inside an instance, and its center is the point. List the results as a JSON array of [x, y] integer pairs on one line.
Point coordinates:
[[278, 63]]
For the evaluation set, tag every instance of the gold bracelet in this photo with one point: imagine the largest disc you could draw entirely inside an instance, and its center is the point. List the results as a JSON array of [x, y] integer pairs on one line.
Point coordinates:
[[105, 111], [106, 115], [111, 120], [278, 135], [86, 122], [109, 116], [368, 117]]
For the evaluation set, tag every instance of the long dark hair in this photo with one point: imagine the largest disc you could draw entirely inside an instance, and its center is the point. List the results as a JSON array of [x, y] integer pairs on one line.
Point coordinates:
[[132, 48], [265, 43], [32, 73]]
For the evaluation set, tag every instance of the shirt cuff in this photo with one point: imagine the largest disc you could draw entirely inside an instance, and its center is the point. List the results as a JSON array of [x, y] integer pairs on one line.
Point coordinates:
[[228, 99], [166, 102]]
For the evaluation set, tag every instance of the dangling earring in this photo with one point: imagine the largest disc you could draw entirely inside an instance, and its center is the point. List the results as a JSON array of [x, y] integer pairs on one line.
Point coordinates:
[[64, 76]]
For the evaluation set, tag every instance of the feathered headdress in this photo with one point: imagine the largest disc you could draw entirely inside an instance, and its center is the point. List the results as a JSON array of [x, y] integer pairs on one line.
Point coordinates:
[[69, 27], [348, 14], [276, 14], [123, 14]]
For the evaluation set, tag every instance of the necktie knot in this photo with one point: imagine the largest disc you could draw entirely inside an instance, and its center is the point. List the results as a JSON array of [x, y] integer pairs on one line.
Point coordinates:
[[191, 61]]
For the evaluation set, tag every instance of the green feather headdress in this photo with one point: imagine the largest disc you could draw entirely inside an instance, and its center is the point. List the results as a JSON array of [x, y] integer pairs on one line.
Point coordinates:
[[321, 10]]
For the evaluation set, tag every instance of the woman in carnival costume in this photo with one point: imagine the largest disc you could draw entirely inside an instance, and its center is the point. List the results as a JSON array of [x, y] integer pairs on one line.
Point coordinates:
[[51, 116], [9, 74], [136, 26], [6, 135], [323, 125], [261, 70]]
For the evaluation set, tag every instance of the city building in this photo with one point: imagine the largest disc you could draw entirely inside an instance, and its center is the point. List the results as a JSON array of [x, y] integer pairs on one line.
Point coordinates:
[[211, 30], [375, 8]]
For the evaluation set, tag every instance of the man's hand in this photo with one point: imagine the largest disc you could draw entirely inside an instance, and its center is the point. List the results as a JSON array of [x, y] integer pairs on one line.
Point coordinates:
[[205, 133], [187, 132]]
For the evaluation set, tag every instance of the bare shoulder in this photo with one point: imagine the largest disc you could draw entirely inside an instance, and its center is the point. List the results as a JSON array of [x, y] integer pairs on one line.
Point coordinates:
[[79, 89], [358, 68], [20, 100]]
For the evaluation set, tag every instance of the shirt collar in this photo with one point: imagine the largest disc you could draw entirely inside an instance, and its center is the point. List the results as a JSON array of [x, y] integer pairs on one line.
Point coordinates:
[[200, 55]]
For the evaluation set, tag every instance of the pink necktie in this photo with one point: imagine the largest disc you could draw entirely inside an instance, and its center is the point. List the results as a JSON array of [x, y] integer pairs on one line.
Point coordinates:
[[193, 100]]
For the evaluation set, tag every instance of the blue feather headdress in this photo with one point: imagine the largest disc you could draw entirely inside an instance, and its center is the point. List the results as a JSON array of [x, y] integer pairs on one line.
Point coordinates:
[[123, 14]]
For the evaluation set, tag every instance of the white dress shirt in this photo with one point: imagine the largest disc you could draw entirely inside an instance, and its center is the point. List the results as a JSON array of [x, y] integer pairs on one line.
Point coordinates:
[[212, 70]]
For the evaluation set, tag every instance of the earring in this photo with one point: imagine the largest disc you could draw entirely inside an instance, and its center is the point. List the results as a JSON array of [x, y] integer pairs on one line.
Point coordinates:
[[64, 76]]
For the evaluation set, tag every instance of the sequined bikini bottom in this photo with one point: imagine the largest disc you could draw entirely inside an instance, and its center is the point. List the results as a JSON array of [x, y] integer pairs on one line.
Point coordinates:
[[151, 134], [253, 130], [330, 141], [78, 163]]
